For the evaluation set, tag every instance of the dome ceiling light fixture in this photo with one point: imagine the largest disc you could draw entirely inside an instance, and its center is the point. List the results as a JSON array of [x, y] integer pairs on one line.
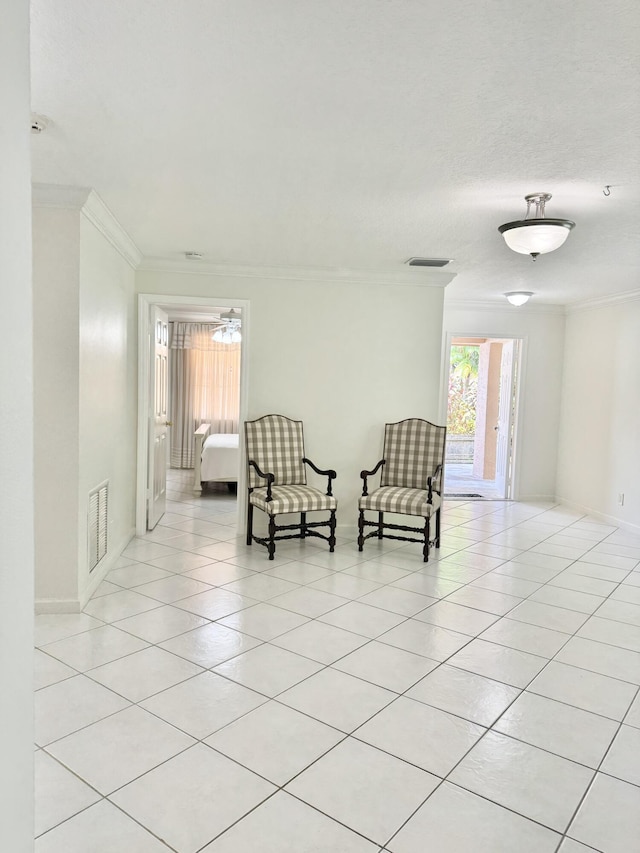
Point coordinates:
[[519, 297], [536, 235]]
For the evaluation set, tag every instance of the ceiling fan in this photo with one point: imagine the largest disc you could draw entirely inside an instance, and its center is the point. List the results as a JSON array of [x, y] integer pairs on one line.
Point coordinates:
[[229, 330]]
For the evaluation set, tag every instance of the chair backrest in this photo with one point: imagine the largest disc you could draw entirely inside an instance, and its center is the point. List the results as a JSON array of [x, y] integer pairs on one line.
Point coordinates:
[[413, 449], [276, 445]]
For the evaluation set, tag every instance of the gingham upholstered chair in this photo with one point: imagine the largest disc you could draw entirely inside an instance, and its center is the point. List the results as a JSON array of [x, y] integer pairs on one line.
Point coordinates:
[[410, 482], [277, 481]]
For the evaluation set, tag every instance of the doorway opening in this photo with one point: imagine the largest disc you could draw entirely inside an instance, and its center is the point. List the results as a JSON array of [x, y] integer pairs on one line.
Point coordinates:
[[167, 466], [481, 417]]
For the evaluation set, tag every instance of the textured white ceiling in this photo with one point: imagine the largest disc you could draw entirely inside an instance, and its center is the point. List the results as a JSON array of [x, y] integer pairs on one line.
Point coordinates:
[[352, 133]]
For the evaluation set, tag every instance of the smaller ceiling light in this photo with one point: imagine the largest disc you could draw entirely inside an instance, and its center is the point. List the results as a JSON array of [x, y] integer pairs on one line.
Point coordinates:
[[519, 297], [536, 235]]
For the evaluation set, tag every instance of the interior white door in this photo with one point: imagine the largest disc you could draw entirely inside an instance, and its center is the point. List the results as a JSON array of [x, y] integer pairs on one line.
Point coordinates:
[[505, 419], [158, 423]]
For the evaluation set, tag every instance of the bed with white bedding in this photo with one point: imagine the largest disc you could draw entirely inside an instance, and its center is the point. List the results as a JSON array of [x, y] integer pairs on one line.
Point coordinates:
[[217, 457]]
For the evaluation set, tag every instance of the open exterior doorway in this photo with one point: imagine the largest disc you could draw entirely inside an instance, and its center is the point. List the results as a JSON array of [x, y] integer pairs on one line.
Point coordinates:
[[481, 417]]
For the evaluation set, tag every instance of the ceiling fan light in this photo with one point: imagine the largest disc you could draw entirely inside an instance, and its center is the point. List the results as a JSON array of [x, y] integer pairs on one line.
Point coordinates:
[[228, 334], [519, 297]]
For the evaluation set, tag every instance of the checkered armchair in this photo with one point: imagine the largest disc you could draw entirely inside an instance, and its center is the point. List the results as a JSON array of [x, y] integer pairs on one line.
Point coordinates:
[[410, 482], [277, 481]]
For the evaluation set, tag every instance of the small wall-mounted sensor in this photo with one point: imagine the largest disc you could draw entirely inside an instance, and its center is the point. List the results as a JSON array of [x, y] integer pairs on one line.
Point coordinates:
[[38, 123]]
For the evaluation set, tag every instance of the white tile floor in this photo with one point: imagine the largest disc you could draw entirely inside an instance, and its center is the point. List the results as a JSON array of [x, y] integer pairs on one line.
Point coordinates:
[[210, 700]]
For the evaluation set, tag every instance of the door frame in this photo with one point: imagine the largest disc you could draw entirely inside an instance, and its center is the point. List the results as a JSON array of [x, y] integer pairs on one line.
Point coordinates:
[[520, 365], [145, 301], [158, 415]]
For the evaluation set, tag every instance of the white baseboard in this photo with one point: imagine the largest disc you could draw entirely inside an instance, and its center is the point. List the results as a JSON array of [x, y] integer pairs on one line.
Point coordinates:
[[347, 531], [57, 605], [601, 516], [104, 567], [77, 605]]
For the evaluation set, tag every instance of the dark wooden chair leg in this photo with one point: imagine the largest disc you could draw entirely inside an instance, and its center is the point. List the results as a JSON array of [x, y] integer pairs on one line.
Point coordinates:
[[361, 530], [272, 532], [332, 531], [437, 539], [425, 549], [249, 523], [380, 518], [303, 525]]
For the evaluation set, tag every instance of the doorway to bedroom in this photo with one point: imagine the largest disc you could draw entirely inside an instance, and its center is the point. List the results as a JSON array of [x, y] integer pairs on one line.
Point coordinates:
[[191, 403], [205, 354]]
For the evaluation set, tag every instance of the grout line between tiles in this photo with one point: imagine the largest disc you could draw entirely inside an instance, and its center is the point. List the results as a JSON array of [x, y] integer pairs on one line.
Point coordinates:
[[369, 640]]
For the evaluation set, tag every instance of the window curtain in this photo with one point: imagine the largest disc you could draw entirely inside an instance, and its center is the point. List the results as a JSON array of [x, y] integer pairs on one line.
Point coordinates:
[[204, 387]]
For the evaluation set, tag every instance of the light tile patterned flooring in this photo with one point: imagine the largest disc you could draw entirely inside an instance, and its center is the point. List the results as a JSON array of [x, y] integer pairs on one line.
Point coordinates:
[[210, 700]]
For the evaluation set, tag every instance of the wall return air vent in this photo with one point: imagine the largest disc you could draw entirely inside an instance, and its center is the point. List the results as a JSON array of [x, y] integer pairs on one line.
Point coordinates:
[[98, 523]]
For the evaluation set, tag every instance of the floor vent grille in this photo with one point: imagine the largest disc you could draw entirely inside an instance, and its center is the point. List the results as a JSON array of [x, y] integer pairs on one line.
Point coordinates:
[[98, 526]]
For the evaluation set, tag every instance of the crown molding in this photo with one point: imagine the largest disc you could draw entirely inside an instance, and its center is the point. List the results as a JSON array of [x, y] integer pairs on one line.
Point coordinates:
[[87, 202], [417, 277], [494, 307], [603, 301], [99, 215]]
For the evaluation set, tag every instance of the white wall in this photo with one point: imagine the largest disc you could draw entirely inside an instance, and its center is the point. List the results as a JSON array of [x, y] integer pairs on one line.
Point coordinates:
[[56, 258], [343, 356], [85, 392], [540, 382], [599, 448], [107, 392], [16, 437]]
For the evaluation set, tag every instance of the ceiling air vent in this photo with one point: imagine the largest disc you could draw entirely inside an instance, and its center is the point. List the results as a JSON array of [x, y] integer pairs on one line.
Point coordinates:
[[428, 262]]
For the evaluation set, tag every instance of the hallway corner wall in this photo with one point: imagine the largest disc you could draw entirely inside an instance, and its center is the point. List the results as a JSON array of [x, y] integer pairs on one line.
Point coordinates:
[[85, 393], [599, 447], [16, 438]]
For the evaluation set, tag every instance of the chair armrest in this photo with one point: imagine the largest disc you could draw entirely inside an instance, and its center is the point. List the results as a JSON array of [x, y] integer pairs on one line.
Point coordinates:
[[268, 477], [365, 474], [430, 480], [330, 473]]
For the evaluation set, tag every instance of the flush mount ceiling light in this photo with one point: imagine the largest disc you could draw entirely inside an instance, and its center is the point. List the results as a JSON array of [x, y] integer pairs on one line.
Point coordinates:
[[519, 297], [536, 235]]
